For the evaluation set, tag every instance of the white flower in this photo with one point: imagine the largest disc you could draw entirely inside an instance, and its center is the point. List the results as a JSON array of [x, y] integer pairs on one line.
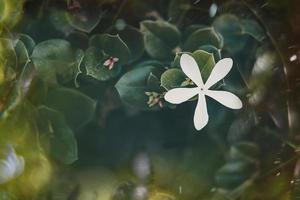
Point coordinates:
[[11, 166], [191, 69]]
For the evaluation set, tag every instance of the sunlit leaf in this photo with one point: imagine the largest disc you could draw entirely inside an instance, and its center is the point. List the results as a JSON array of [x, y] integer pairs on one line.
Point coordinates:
[[10, 12], [172, 78]]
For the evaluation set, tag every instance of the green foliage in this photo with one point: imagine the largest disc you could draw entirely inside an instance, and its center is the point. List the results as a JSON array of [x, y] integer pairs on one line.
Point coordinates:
[[160, 39], [212, 49], [177, 8], [133, 38], [236, 32], [203, 36], [172, 78], [54, 57], [133, 86], [103, 47], [53, 127], [241, 165], [64, 75], [205, 61], [84, 21], [27, 41], [77, 108], [21, 52], [111, 45]]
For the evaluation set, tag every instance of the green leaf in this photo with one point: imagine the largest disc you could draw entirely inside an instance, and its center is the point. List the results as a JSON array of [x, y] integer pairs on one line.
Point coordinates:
[[262, 71], [21, 53], [241, 126], [252, 28], [234, 173], [111, 45], [8, 56], [177, 10], [172, 78], [62, 143], [133, 39], [147, 63], [153, 82], [160, 38], [203, 36], [230, 28], [247, 151], [93, 64], [133, 85], [28, 42], [102, 47], [212, 49], [10, 12], [205, 61], [58, 18], [21, 88], [77, 71], [54, 57], [192, 28], [77, 108], [84, 20]]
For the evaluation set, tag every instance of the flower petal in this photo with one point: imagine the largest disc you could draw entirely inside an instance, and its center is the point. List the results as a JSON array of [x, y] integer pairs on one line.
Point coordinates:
[[220, 70], [20, 165], [6, 171], [179, 95], [226, 98], [190, 68], [201, 115]]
